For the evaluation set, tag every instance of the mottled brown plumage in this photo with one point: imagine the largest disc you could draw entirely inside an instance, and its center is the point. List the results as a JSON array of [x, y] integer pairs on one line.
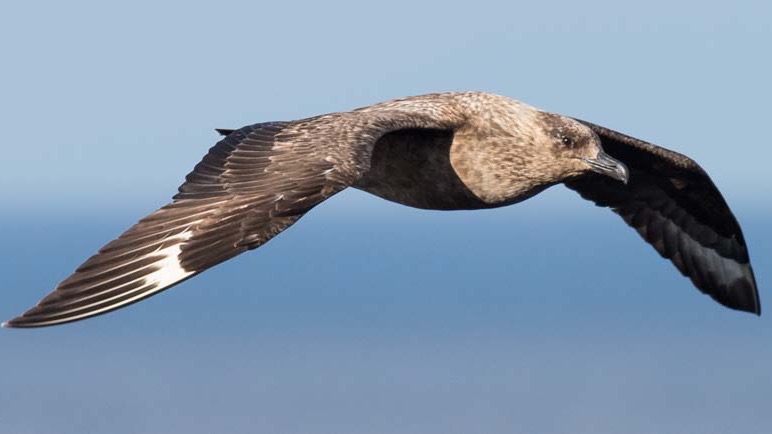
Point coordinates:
[[449, 151]]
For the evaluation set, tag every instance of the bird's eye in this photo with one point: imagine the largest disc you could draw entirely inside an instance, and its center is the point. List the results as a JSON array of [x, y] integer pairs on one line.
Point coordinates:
[[569, 142]]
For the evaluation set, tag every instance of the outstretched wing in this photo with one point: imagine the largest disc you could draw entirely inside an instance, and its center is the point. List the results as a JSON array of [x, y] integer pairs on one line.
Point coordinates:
[[676, 208], [252, 185], [249, 187]]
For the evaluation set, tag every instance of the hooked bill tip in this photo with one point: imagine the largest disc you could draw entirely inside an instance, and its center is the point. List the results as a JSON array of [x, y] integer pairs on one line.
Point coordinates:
[[605, 164]]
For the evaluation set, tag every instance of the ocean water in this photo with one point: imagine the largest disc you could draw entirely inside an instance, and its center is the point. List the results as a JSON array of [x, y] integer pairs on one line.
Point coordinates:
[[368, 317]]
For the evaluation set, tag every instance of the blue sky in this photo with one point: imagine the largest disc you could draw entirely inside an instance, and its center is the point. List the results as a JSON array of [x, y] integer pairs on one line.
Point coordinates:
[[368, 317]]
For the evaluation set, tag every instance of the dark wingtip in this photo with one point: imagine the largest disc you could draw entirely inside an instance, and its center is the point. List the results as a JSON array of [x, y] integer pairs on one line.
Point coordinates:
[[750, 308], [754, 309], [17, 322], [224, 131], [22, 321], [743, 296]]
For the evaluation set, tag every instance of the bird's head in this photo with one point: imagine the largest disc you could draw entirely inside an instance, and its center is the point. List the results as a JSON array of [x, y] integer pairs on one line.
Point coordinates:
[[576, 149], [511, 151]]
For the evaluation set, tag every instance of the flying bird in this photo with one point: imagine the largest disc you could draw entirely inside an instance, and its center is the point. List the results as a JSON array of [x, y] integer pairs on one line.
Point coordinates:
[[444, 151]]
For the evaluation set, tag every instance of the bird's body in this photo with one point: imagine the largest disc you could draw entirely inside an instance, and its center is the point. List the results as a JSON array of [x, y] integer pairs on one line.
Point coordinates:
[[413, 168], [465, 150]]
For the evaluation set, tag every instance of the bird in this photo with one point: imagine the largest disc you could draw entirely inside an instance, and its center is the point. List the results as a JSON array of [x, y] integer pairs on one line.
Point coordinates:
[[441, 151]]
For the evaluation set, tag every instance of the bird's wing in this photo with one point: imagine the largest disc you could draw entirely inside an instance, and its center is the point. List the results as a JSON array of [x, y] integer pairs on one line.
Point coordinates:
[[676, 208], [252, 185]]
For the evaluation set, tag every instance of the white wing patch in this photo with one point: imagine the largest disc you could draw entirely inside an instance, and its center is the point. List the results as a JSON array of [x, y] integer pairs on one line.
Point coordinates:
[[170, 270], [168, 273]]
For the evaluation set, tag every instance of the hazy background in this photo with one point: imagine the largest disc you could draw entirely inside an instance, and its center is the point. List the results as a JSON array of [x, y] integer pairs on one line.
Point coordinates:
[[368, 317]]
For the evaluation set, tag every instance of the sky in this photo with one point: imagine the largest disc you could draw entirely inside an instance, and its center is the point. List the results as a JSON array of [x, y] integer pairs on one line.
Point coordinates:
[[369, 317]]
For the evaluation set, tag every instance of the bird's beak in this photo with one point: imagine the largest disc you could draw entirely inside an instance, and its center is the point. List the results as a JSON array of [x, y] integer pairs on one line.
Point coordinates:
[[605, 164]]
